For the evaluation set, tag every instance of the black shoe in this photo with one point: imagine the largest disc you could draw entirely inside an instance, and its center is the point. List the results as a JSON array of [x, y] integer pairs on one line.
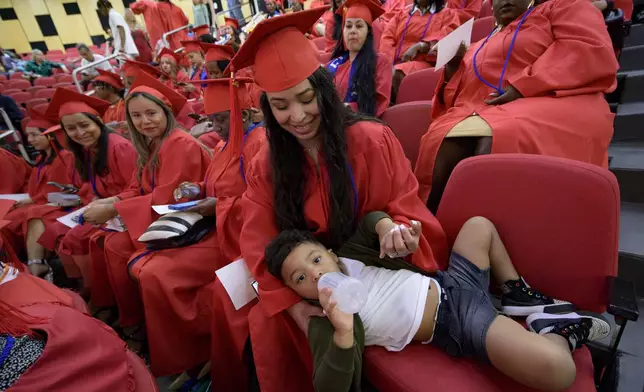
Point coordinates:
[[576, 328], [519, 299]]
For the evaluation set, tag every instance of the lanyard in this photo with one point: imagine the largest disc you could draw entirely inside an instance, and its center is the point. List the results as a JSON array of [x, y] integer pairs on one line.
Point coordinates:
[[241, 156], [91, 177], [498, 88], [38, 172], [332, 67], [7, 349], [402, 39]]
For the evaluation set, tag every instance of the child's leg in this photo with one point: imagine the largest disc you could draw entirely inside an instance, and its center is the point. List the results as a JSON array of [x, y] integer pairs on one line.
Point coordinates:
[[479, 242], [542, 362]]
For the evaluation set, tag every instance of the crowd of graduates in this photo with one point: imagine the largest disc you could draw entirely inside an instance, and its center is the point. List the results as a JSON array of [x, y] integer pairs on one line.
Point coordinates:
[[267, 130]]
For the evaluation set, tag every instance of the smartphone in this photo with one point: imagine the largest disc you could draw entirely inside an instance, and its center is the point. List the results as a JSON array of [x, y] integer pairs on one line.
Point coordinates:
[[183, 206], [63, 187], [194, 116]]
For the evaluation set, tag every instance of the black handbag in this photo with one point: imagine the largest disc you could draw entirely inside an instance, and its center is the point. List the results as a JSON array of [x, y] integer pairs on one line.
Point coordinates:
[[177, 230]]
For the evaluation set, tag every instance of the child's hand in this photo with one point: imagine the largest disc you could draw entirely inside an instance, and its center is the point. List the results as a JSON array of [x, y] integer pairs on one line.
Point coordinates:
[[401, 240], [342, 322]]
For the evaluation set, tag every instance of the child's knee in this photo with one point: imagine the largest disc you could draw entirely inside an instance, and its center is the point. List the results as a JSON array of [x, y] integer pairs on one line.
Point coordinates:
[[558, 369], [479, 225], [474, 237]]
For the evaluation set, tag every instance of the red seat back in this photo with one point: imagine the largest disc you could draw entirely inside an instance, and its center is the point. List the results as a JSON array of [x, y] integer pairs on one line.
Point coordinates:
[[10, 91], [46, 82], [486, 9], [64, 78], [55, 52], [20, 97], [46, 93], [33, 90], [559, 219], [15, 75], [19, 84], [482, 27], [68, 86], [41, 108], [35, 101], [3, 77], [409, 121], [418, 86]]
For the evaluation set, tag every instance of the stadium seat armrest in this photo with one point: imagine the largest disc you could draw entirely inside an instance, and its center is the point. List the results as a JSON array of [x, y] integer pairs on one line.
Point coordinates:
[[622, 302]]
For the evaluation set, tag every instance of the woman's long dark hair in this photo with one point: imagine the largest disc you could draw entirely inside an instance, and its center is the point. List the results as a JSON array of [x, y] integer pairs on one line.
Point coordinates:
[[365, 77], [43, 158], [99, 163], [440, 4], [290, 170], [337, 23]]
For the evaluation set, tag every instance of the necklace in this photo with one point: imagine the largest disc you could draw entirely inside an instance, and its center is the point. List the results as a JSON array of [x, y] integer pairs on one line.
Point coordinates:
[[314, 148]]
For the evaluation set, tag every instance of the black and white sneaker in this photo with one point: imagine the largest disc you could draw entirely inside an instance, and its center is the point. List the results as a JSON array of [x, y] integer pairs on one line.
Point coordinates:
[[519, 299], [576, 328]]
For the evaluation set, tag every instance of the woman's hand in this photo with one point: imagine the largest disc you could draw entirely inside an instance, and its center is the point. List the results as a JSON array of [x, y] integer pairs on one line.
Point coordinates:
[[452, 66], [342, 322], [510, 94], [400, 240], [104, 201], [411, 53], [205, 207], [302, 312], [184, 191], [99, 214], [22, 203]]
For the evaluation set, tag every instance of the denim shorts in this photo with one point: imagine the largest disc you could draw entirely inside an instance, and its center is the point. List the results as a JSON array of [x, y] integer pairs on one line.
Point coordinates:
[[466, 310]]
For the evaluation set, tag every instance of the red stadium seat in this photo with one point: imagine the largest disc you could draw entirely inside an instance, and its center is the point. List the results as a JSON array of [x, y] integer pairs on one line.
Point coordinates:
[[55, 52], [41, 108], [486, 9], [46, 93], [68, 86], [45, 81], [33, 90], [418, 86], [19, 84], [35, 101], [409, 121], [64, 78], [1, 88], [56, 71], [197, 107], [10, 91], [482, 27], [549, 244], [15, 75], [20, 97], [3, 77]]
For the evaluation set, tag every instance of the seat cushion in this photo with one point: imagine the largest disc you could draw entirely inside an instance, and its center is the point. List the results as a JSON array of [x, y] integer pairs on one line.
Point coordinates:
[[421, 368]]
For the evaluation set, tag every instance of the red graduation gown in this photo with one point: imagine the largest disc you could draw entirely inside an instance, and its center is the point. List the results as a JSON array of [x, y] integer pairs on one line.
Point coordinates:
[[181, 158], [466, 9], [179, 326], [384, 70], [14, 172], [116, 113], [211, 140], [160, 18], [329, 24], [392, 7], [562, 68], [442, 23], [384, 182]]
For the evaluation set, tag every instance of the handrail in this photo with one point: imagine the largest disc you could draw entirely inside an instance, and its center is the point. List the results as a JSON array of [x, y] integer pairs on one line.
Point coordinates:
[[12, 132], [235, 7], [90, 65], [164, 38]]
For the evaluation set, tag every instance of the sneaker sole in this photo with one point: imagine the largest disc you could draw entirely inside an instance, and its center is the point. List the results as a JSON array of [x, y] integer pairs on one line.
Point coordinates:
[[600, 329], [524, 311], [548, 316]]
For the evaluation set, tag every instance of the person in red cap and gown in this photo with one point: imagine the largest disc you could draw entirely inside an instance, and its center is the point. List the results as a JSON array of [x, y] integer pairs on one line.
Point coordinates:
[[168, 156], [198, 31], [53, 164], [173, 76], [102, 167], [14, 172], [229, 33], [315, 182], [160, 17], [410, 35], [109, 87], [484, 106], [362, 77], [195, 55]]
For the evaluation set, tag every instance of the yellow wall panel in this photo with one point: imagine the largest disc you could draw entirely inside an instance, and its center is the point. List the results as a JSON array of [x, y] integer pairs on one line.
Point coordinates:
[[28, 20], [88, 10], [5, 4], [53, 43], [71, 28], [37, 7], [13, 37]]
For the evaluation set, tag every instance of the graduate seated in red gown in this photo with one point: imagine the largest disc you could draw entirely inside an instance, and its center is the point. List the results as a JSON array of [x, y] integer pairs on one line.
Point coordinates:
[[195, 55], [322, 178], [532, 97], [14, 171], [173, 76], [467, 9], [362, 77], [451, 309], [229, 33], [49, 343], [411, 34], [109, 87]]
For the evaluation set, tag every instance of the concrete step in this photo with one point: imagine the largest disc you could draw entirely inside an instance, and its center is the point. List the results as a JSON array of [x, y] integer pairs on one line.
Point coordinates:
[[632, 58], [636, 37], [631, 244], [632, 86], [629, 122], [627, 163]]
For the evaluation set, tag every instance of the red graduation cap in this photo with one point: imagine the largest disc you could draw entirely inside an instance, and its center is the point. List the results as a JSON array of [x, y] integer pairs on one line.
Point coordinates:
[[167, 53], [216, 95], [146, 83], [282, 55], [217, 52], [110, 78], [66, 102], [38, 119], [201, 30], [191, 46], [232, 22], [366, 10], [132, 67]]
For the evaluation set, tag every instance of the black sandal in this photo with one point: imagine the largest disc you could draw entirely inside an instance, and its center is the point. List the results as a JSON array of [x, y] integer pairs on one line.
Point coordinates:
[[132, 337]]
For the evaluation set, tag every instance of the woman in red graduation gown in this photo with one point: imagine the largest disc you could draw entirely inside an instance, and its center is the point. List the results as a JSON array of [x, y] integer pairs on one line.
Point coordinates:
[[361, 77], [195, 55], [160, 17], [168, 156], [178, 326], [173, 76], [14, 172], [102, 168], [333, 27], [317, 178], [540, 101], [467, 9], [109, 87], [409, 36], [50, 343], [53, 164]]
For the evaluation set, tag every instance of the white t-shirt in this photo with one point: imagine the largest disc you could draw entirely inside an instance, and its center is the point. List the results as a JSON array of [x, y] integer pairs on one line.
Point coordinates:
[[117, 20], [395, 303], [106, 66]]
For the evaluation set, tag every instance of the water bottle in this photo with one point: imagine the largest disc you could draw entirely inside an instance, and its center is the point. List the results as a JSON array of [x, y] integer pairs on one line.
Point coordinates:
[[349, 293], [188, 191]]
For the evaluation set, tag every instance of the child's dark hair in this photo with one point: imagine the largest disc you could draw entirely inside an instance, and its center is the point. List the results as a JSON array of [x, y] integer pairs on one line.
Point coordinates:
[[282, 245]]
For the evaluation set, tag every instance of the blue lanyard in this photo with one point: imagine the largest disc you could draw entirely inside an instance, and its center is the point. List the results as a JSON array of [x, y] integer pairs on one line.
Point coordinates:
[[332, 67], [498, 88], [241, 156], [90, 175], [402, 39], [38, 172], [7, 349]]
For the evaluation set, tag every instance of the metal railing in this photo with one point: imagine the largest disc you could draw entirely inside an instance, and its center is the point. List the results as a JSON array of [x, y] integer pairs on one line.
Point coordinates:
[[16, 136], [164, 38], [90, 65], [229, 10]]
